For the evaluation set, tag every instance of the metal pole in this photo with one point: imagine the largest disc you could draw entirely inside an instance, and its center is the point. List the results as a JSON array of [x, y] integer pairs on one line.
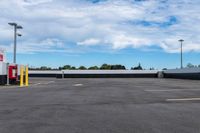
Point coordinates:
[[15, 43], [7, 74], [63, 75], [181, 41], [181, 54], [16, 26]]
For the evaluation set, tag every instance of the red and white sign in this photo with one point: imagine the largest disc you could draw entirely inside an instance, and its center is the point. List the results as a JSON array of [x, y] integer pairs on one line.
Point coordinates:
[[1, 57], [13, 72]]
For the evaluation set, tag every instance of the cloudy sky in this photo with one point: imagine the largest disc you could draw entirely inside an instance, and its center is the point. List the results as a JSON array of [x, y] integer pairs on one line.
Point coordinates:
[[92, 32]]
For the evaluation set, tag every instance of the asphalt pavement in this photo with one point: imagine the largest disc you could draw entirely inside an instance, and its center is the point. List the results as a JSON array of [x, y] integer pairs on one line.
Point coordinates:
[[137, 105]]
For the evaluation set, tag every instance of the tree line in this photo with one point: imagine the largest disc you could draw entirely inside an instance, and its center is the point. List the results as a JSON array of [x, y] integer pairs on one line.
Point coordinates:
[[102, 67], [190, 65]]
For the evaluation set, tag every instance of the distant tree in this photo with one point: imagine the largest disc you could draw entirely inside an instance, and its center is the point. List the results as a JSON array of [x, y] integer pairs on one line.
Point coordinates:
[[198, 65], [44, 68], [93, 68], [105, 67], [117, 67], [152, 68], [66, 67], [139, 67], [190, 65], [164, 69], [31, 68], [82, 68], [73, 68]]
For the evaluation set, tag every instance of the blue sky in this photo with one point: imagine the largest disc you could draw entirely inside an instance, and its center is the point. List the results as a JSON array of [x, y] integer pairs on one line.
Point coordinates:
[[93, 32]]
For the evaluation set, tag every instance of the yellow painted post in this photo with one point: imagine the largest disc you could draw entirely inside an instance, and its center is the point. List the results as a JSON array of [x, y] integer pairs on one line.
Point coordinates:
[[26, 80], [21, 76]]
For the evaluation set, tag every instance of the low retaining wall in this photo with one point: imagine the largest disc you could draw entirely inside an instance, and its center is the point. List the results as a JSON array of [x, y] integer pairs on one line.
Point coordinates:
[[95, 74], [42, 75], [45, 74], [187, 73], [108, 76], [192, 73]]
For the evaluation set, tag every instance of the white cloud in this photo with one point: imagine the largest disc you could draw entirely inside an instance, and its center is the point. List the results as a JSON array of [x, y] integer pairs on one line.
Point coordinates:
[[35, 2], [116, 23], [32, 46], [89, 42], [123, 41]]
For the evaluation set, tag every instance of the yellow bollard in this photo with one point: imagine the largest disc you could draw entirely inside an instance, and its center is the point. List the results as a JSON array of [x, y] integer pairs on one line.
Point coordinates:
[[21, 76], [26, 80]]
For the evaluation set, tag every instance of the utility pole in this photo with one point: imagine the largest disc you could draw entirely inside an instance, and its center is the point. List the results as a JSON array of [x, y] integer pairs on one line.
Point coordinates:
[[16, 26], [181, 41]]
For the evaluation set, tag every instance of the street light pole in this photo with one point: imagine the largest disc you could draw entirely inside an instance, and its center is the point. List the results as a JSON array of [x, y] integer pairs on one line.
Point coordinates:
[[181, 41], [15, 43], [15, 39]]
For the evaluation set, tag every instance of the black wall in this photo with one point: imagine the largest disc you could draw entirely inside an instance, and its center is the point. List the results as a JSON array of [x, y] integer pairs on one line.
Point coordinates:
[[194, 76], [43, 75]]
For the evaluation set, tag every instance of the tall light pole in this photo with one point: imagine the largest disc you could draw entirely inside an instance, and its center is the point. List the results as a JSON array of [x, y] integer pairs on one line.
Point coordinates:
[[16, 26], [181, 41]]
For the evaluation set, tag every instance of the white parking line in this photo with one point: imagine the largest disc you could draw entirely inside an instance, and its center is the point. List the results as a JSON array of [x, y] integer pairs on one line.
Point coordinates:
[[37, 84], [174, 90], [17, 86], [184, 99], [49, 82], [46, 83], [78, 85], [8, 87]]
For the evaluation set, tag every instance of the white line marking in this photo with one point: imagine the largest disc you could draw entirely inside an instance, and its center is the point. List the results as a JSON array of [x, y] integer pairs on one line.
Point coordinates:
[[78, 85], [49, 82], [44, 83], [11, 87], [184, 99], [8, 87], [37, 84], [175, 90]]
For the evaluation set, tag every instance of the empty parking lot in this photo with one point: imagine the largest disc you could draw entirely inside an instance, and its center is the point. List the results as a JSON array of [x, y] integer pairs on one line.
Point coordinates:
[[143, 105]]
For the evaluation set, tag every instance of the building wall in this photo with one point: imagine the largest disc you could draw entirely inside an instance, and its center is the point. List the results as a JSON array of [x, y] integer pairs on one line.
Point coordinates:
[[3, 73], [2, 56]]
